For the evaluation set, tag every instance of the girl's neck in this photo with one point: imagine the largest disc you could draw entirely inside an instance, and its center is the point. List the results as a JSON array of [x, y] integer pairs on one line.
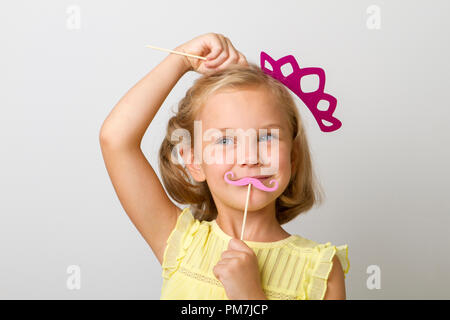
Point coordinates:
[[260, 225]]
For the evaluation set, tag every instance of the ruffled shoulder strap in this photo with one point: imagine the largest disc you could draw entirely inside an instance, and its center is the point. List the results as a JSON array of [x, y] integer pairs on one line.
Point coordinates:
[[178, 242], [321, 269]]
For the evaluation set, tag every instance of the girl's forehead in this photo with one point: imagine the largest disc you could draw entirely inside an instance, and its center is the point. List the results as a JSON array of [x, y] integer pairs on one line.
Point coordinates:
[[242, 95], [241, 109]]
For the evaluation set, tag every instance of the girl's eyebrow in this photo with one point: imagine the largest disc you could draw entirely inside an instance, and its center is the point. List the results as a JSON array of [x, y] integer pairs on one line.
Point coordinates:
[[272, 125]]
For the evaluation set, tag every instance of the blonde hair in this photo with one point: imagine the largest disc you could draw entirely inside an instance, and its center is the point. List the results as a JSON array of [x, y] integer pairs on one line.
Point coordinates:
[[303, 190]]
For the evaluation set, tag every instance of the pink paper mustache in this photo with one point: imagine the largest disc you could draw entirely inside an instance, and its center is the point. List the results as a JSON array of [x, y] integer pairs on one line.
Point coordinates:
[[247, 180]]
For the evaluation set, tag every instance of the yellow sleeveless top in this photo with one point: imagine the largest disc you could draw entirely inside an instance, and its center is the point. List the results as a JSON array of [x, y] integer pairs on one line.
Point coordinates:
[[294, 268]]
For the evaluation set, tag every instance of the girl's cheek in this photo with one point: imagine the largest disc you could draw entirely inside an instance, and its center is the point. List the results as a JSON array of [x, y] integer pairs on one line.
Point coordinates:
[[217, 155], [283, 161], [274, 155]]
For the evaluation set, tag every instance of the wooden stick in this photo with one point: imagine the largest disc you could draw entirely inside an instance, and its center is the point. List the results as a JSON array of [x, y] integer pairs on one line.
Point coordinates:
[[245, 212], [177, 52]]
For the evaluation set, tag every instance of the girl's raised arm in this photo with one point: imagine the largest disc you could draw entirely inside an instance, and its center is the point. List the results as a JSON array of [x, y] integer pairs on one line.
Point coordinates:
[[135, 182], [137, 186]]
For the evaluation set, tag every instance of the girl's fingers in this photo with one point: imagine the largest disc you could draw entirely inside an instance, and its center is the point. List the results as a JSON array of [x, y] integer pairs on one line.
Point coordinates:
[[233, 56], [215, 45], [222, 56], [234, 53], [229, 254], [225, 261], [242, 60], [222, 53]]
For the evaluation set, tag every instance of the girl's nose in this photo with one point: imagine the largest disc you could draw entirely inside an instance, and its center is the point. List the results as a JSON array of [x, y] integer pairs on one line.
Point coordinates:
[[247, 153]]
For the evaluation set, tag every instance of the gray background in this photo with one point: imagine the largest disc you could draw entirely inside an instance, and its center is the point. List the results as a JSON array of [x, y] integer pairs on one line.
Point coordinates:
[[385, 172]]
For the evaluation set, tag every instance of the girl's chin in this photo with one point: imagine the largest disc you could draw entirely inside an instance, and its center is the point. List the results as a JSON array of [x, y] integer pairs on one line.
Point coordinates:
[[254, 203]]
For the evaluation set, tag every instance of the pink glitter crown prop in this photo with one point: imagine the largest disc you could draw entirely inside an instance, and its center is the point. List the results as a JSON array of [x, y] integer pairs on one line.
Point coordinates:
[[310, 99]]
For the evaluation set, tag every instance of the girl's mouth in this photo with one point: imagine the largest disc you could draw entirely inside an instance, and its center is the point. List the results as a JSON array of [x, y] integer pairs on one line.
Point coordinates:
[[261, 178]]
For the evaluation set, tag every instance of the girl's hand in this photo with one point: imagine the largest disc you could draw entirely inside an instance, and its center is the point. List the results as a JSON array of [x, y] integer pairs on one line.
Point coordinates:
[[216, 47], [238, 271]]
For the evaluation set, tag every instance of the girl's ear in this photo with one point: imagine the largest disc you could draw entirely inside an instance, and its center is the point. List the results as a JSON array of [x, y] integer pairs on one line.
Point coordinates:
[[194, 169], [196, 172]]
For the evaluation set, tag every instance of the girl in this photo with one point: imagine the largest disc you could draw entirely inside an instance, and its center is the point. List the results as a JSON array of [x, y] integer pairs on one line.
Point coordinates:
[[198, 246]]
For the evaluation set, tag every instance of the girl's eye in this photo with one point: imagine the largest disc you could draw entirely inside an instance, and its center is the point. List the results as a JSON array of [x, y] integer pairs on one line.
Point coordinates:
[[264, 137], [230, 140], [221, 140]]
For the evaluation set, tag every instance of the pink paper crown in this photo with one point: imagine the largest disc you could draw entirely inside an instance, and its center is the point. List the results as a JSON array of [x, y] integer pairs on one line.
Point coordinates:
[[310, 99]]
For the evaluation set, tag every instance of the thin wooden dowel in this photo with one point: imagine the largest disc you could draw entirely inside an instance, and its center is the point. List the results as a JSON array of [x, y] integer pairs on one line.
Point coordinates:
[[176, 52], [245, 212]]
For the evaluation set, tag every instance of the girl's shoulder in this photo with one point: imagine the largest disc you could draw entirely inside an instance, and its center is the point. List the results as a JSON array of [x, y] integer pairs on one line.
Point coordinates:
[[302, 243], [321, 254], [307, 245]]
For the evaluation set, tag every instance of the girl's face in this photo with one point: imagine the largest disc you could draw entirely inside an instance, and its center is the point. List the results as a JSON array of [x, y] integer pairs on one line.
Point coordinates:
[[243, 111]]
